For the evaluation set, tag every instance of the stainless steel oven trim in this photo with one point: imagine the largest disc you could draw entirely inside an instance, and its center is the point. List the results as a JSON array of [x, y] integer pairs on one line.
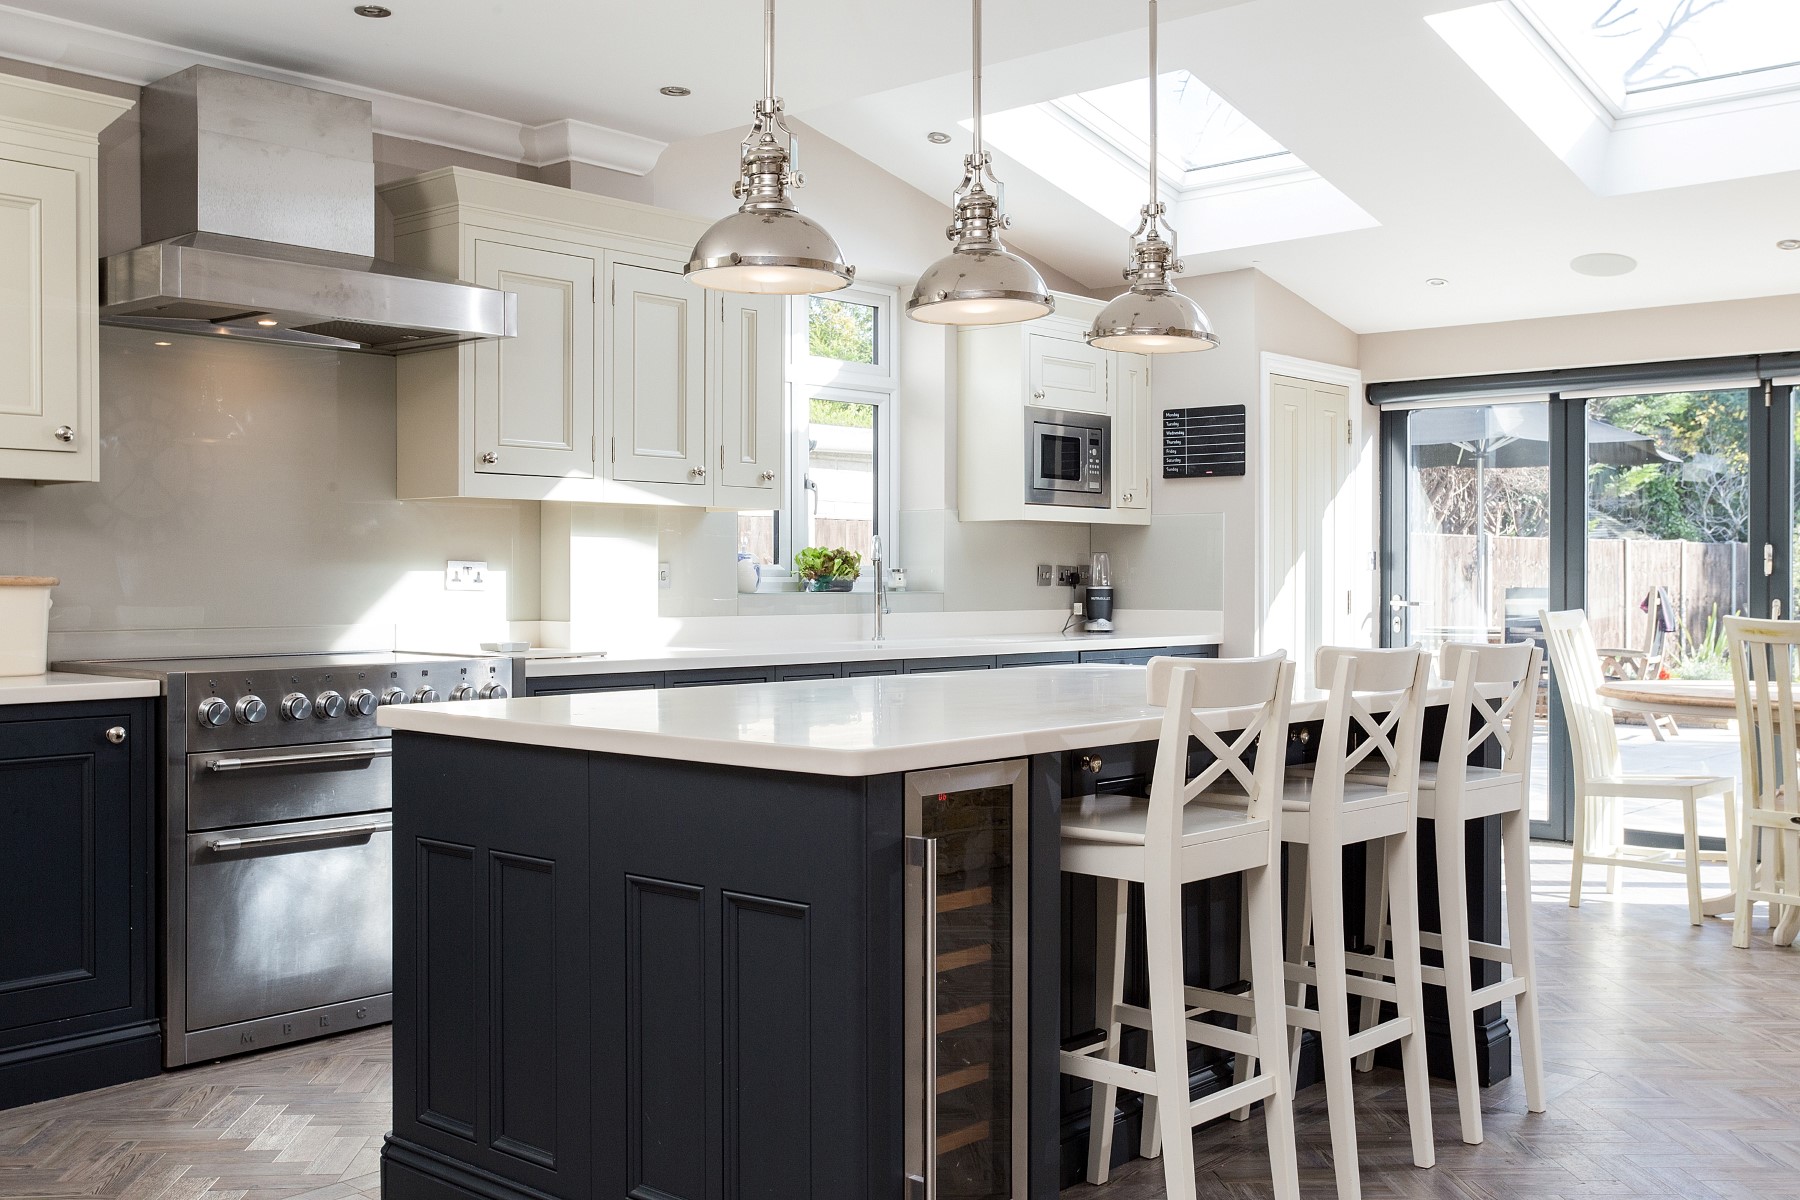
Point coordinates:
[[221, 1040], [300, 837], [250, 762], [1061, 496]]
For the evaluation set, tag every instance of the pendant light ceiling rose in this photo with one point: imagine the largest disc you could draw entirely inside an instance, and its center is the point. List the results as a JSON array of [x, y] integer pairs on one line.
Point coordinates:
[[768, 246], [1151, 317], [980, 282]]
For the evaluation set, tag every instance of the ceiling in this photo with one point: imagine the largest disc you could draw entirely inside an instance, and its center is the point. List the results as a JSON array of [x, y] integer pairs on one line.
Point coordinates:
[[1367, 95]]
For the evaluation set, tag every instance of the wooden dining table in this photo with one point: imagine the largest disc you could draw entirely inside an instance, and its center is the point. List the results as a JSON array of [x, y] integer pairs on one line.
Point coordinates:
[[1684, 699]]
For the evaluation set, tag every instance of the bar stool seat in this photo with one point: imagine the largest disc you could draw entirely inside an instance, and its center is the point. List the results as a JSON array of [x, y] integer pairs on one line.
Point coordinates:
[[1121, 820]]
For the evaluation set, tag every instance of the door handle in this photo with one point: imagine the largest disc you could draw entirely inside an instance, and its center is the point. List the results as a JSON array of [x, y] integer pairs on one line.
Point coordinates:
[[1397, 602], [289, 760], [921, 864], [220, 845]]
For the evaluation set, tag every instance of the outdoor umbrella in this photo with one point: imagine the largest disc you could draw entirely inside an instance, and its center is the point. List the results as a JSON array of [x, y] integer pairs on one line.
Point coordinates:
[[1510, 435]]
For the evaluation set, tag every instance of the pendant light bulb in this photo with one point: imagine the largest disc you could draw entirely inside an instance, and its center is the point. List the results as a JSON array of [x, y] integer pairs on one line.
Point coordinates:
[[980, 282], [1150, 316], [768, 246]]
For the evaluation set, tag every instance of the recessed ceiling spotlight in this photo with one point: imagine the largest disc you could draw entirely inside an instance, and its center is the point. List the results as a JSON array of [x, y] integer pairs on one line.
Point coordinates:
[[372, 10], [1434, 281], [938, 137], [675, 89], [1603, 264], [1788, 244], [162, 343], [266, 322]]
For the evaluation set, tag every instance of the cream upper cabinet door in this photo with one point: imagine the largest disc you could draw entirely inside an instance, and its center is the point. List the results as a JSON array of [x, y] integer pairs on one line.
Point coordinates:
[[747, 376], [40, 308], [534, 393], [1135, 423], [658, 378], [1065, 374], [1311, 517]]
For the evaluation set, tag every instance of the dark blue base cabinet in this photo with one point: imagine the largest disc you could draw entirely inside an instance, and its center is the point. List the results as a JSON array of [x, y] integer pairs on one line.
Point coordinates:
[[76, 910]]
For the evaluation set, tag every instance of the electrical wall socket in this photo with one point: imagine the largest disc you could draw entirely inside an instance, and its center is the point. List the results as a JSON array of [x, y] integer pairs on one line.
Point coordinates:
[[664, 577], [465, 575], [1045, 574], [1067, 576]]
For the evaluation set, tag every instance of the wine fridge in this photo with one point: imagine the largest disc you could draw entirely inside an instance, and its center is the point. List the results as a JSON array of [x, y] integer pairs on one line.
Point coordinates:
[[966, 992]]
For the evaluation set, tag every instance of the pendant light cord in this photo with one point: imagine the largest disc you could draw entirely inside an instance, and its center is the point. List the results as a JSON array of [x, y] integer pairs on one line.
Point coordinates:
[[1153, 122], [769, 50], [976, 76]]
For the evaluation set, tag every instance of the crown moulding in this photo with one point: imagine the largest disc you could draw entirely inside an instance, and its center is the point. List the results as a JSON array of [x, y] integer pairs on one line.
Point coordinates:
[[89, 50]]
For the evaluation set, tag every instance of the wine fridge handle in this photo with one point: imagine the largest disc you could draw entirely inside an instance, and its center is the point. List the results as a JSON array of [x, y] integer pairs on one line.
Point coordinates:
[[921, 862]]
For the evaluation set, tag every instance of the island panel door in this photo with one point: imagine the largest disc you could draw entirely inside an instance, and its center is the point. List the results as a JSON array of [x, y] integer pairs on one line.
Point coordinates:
[[731, 924]]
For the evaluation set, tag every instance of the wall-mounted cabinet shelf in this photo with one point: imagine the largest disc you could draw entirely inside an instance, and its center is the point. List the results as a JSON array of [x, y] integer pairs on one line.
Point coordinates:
[[49, 304], [1003, 370], [626, 383]]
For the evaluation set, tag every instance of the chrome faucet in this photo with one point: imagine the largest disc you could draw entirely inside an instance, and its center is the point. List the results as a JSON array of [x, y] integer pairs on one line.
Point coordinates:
[[880, 588]]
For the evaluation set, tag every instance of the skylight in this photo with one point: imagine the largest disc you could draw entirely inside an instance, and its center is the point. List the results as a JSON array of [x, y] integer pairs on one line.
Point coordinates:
[[1200, 131], [1639, 55]]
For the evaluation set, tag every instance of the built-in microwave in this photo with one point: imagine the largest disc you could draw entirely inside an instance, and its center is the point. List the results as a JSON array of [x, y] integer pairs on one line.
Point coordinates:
[[1068, 458]]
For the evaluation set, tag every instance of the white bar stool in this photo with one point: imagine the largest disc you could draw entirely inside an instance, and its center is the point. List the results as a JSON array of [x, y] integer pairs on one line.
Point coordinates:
[[1363, 794], [1164, 841], [1451, 794], [1762, 668]]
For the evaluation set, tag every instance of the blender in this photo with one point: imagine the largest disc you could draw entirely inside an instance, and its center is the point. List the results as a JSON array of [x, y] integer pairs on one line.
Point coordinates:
[[1098, 604]]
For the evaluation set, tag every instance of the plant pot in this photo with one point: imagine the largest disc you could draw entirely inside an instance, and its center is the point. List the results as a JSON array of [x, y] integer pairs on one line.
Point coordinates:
[[831, 585]]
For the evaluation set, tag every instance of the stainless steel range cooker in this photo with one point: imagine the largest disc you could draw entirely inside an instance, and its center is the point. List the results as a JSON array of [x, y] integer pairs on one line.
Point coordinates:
[[276, 848]]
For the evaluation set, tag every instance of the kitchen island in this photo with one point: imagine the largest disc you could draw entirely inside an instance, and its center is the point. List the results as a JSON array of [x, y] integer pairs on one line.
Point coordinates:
[[797, 939]]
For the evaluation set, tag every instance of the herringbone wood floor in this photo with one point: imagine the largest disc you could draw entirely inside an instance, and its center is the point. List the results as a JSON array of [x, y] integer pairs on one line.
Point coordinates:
[[1674, 1067]]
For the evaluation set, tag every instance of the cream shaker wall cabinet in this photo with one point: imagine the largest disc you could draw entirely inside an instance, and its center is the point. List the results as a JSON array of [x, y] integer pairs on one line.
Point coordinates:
[[49, 282], [1004, 371], [626, 383]]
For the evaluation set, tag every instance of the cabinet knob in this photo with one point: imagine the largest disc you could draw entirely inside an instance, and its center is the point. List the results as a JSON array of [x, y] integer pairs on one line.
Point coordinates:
[[767, 477], [64, 433], [1128, 497], [490, 458], [116, 735], [1038, 395], [1091, 763], [696, 472]]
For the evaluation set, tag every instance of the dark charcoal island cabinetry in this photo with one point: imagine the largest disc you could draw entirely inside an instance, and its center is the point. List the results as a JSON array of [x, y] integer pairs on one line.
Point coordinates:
[[76, 915]]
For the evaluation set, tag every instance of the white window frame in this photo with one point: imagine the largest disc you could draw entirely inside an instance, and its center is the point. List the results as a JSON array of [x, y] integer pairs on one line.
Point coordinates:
[[875, 383]]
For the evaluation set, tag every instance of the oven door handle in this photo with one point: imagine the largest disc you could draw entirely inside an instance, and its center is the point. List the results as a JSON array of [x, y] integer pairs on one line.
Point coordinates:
[[291, 760], [219, 845]]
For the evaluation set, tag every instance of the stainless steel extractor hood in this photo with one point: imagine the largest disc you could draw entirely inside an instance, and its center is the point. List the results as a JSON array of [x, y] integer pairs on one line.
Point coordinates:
[[259, 200]]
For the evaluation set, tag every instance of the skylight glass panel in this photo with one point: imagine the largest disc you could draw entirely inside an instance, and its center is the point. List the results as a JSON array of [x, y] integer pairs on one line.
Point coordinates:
[[1200, 131], [1633, 48]]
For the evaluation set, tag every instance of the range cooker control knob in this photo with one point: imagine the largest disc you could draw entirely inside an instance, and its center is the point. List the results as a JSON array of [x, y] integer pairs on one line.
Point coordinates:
[[296, 707], [425, 695], [362, 702], [213, 712], [329, 706], [462, 691], [493, 691], [395, 695], [250, 710]]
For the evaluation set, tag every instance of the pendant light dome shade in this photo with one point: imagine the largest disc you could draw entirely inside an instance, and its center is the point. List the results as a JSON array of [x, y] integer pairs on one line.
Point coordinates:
[[1151, 317], [980, 282], [767, 246]]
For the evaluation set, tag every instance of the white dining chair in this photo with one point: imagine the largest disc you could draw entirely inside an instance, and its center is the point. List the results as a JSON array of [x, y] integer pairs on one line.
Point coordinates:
[[1601, 781], [1165, 840], [1768, 860]]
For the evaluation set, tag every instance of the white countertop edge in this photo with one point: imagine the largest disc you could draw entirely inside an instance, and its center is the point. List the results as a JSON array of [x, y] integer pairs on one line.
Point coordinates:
[[66, 687], [680, 658]]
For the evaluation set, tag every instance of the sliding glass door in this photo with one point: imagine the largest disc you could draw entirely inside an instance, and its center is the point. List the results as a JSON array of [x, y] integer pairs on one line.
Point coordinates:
[[1659, 513]]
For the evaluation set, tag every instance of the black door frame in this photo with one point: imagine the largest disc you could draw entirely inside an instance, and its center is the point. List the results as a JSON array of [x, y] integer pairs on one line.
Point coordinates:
[[1771, 451]]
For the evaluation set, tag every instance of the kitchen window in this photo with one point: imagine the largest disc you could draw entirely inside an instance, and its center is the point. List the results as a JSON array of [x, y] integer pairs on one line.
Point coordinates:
[[841, 384]]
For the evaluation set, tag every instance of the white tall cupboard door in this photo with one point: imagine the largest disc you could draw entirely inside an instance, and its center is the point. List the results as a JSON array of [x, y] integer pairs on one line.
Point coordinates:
[[1310, 463], [748, 379], [1066, 374], [534, 393], [659, 377], [40, 308], [1135, 425]]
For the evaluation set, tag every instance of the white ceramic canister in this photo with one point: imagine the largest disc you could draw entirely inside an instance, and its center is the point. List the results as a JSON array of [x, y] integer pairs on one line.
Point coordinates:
[[24, 623]]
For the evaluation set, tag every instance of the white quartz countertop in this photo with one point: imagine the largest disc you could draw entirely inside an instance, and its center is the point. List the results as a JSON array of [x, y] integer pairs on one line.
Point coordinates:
[[58, 687], [546, 663], [846, 727]]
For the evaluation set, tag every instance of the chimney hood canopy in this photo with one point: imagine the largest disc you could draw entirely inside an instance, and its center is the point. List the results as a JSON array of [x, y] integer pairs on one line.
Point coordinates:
[[259, 198]]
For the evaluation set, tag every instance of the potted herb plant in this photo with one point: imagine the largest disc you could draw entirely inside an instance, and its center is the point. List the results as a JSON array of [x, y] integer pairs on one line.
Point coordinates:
[[828, 570]]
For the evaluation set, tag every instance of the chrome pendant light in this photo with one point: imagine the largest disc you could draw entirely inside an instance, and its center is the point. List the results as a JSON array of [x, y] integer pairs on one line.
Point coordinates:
[[1152, 317], [767, 246], [980, 282]]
